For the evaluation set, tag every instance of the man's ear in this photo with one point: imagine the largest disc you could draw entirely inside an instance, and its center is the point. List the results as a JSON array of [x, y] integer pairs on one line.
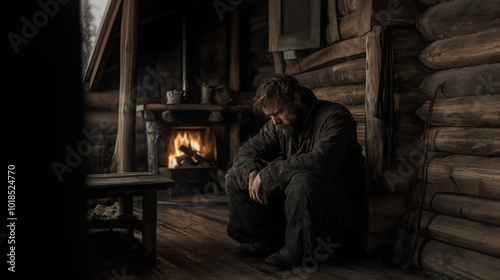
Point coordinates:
[[296, 98]]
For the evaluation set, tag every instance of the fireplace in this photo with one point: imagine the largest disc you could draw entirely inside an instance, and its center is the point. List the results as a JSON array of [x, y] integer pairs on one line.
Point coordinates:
[[188, 147], [193, 156], [195, 143]]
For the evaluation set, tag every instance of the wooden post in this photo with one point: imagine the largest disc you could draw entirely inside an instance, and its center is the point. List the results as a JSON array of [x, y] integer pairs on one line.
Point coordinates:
[[374, 127], [234, 136], [153, 133], [124, 156], [279, 63], [234, 59], [149, 217]]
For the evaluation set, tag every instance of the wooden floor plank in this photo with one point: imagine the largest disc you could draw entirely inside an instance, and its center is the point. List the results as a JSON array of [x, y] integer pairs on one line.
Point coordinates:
[[192, 243]]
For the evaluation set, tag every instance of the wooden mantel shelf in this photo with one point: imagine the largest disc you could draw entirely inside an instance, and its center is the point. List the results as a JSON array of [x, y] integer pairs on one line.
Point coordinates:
[[195, 107], [180, 107]]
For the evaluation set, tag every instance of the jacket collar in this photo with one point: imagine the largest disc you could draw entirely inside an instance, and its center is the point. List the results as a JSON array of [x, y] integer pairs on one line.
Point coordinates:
[[310, 116]]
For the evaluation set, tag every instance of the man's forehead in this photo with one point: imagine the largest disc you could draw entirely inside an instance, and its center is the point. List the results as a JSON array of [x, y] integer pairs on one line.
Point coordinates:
[[272, 106]]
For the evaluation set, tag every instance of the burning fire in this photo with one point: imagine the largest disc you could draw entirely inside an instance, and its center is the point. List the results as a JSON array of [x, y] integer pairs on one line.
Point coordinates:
[[191, 139]]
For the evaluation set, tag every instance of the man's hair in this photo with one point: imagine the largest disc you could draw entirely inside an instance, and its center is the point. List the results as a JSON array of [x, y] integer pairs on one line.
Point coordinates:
[[281, 88]]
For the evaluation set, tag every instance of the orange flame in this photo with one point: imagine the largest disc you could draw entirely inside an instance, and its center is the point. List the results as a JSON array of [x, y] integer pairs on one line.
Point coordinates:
[[186, 138]]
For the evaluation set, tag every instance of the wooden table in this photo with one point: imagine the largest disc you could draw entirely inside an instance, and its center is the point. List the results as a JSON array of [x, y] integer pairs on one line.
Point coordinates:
[[126, 186]]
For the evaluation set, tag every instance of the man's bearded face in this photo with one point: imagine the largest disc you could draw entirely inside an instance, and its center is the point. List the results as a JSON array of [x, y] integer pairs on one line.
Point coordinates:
[[285, 116]]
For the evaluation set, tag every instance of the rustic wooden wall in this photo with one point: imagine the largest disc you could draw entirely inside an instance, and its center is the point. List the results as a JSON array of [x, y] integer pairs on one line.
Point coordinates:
[[461, 218]]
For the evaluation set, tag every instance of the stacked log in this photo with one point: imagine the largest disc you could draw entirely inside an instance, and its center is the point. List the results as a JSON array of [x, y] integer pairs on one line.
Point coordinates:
[[455, 261], [461, 223], [347, 18]]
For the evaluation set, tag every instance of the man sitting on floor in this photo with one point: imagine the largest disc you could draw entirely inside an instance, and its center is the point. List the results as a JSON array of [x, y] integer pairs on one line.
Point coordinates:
[[298, 183]]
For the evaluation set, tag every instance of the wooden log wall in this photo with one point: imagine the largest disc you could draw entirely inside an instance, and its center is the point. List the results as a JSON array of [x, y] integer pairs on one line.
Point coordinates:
[[462, 199]]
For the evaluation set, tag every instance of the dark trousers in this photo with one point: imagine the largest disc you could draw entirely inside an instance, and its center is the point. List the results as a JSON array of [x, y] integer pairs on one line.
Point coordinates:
[[308, 211]]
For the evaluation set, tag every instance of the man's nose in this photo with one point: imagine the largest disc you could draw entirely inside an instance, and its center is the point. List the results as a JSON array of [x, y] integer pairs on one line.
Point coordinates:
[[276, 120]]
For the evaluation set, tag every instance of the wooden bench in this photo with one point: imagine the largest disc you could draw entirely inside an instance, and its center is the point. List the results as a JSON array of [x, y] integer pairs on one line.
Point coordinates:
[[126, 186]]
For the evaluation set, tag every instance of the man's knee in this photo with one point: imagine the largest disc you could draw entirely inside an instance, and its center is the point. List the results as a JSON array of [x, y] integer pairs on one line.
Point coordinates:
[[304, 184], [231, 181]]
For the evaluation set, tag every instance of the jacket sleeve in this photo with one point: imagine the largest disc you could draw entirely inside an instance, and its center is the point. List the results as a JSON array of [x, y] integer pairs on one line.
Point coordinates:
[[255, 153], [333, 145]]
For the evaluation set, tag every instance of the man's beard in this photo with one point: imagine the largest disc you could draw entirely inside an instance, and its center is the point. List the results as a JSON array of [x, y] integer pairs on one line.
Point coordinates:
[[289, 128]]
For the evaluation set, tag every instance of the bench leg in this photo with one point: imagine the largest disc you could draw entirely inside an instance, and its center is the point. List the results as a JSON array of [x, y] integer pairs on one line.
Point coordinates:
[[127, 208], [149, 215]]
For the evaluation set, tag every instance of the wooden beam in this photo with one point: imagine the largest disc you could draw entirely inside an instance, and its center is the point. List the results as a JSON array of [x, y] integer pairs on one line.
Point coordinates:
[[464, 111], [461, 17], [454, 261], [102, 48], [279, 63], [345, 95], [478, 209], [467, 234], [465, 50], [346, 73], [471, 175], [374, 127], [274, 26], [234, 59], [124, 156], [480, 141], [335, 53], [465, 81]]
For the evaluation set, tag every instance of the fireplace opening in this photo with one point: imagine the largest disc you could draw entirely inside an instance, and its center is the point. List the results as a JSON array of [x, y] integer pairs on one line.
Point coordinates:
[[193, 156], [191, 148]]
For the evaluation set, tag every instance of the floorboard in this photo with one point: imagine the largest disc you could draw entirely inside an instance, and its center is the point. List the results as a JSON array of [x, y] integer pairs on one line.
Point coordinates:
[[192, 244]]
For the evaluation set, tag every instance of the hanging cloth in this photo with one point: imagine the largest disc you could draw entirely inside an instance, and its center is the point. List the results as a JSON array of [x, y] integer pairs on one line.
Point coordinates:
[[388, 88]]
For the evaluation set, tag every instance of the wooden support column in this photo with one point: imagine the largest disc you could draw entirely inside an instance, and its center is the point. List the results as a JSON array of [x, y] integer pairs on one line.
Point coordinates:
[[149, 217], [124, 155], [153, 133], [374, 127], [234, 58], [234, 136]]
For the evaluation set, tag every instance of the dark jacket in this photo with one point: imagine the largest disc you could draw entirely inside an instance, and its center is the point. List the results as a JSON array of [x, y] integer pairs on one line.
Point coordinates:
[[326, 147]]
